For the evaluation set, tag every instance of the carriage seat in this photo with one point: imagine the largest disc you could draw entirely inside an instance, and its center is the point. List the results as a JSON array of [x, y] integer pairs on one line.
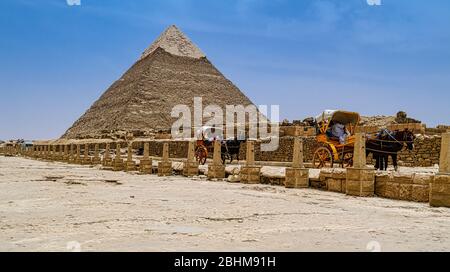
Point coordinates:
[[331, 137]]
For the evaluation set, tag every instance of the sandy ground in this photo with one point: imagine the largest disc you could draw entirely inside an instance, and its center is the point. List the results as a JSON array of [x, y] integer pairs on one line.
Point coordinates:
[[59, 207]]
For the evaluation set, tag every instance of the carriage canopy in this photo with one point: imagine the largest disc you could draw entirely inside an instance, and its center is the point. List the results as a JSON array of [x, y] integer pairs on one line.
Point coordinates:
[[343, 117]]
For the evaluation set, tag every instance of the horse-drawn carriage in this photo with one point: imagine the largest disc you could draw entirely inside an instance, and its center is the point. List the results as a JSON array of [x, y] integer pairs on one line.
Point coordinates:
[[336, 138], [205, 145]]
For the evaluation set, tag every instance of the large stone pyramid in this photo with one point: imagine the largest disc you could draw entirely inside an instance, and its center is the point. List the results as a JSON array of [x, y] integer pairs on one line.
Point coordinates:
[[171, 71]]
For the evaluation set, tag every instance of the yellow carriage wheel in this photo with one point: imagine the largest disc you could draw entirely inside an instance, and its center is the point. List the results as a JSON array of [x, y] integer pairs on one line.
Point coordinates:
[[323, 158]]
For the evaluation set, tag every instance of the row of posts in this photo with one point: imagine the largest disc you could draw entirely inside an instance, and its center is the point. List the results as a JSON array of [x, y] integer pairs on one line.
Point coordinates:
[[360, 179], [250, 173]]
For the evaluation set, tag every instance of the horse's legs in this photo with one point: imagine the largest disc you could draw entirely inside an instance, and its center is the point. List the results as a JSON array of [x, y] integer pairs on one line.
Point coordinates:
[[394, 159], [377, 161]]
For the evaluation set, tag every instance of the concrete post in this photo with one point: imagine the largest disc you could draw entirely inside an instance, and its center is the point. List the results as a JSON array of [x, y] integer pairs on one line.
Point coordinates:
[[96, 159], [250, 173], [297, 176], [440, 186], [130, 165], [118, 161], [49, 153], [107, 161], [61, 153], [86, 158], [359, 155], [65, 157], [165, 166], [55, 156], [217, 169], [78, 155], [250, 153], [190, 168], [72, 154], [146, 164], [360, 180]]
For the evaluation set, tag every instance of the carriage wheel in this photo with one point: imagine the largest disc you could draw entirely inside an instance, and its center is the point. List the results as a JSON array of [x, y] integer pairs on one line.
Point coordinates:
[[347, 160], [322, 158], [201, 154]]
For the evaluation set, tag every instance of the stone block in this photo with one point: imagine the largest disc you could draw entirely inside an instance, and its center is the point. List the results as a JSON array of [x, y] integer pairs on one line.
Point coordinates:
[[440, 191], [117, 164], [296, 178], [360, 182], [130, 166], [86, 161], [403, 178], [96, 160], [405, 192], [146, 166], [164, 168], [334, 185], [250, 174], [392, 190], [216, 171], [381, 181], [325, 174], [423, 179], [420, 193], [190, 169]]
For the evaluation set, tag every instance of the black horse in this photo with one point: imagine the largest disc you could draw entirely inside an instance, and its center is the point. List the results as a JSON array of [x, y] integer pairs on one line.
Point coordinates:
[[231, 149], [387, 144]]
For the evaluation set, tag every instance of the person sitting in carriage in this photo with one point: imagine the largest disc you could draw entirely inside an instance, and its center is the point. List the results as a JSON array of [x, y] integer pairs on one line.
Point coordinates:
[[338, 131]]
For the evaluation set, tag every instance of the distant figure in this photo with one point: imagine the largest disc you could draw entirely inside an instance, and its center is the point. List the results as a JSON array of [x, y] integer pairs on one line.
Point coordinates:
[[338, 130]]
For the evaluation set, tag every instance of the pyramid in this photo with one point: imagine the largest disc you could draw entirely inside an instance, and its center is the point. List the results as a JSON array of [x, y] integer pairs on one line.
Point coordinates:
[[172, 71]]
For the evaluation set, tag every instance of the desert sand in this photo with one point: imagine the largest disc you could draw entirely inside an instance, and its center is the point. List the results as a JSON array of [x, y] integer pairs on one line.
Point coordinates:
[[47, 206]]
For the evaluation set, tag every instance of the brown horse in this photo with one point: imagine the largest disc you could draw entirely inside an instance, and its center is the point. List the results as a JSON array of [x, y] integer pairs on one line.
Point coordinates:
[[387, 144]]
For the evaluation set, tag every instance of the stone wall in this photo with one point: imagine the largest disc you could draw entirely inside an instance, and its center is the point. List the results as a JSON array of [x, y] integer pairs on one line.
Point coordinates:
[[409, 187], [285, 151], [426, 152]]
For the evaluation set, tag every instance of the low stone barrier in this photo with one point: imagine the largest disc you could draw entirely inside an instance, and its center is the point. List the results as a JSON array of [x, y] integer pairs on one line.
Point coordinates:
[[409, 187]]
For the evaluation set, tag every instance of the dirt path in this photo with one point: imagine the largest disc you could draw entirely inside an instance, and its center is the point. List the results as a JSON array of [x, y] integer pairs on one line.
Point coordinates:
[[60, 207]]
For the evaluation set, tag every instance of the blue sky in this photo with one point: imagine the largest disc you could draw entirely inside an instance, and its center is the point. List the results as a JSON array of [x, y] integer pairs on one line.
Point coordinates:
[[306, 56]]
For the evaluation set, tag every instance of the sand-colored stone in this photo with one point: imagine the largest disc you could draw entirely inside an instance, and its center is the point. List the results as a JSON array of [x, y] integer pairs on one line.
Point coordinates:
[[359, 154], [165, 166], [96, 159], [118, 161], [216, 170], [78, 155], [190, 167], [444, 165], [297, 176], [440, 191], [146, 163], [360, 182], [250, 173], [171, 72], [130, 164], [86, 158], [66, 154], [440, 186], [381, 181], [107, 160], [420, 193]]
